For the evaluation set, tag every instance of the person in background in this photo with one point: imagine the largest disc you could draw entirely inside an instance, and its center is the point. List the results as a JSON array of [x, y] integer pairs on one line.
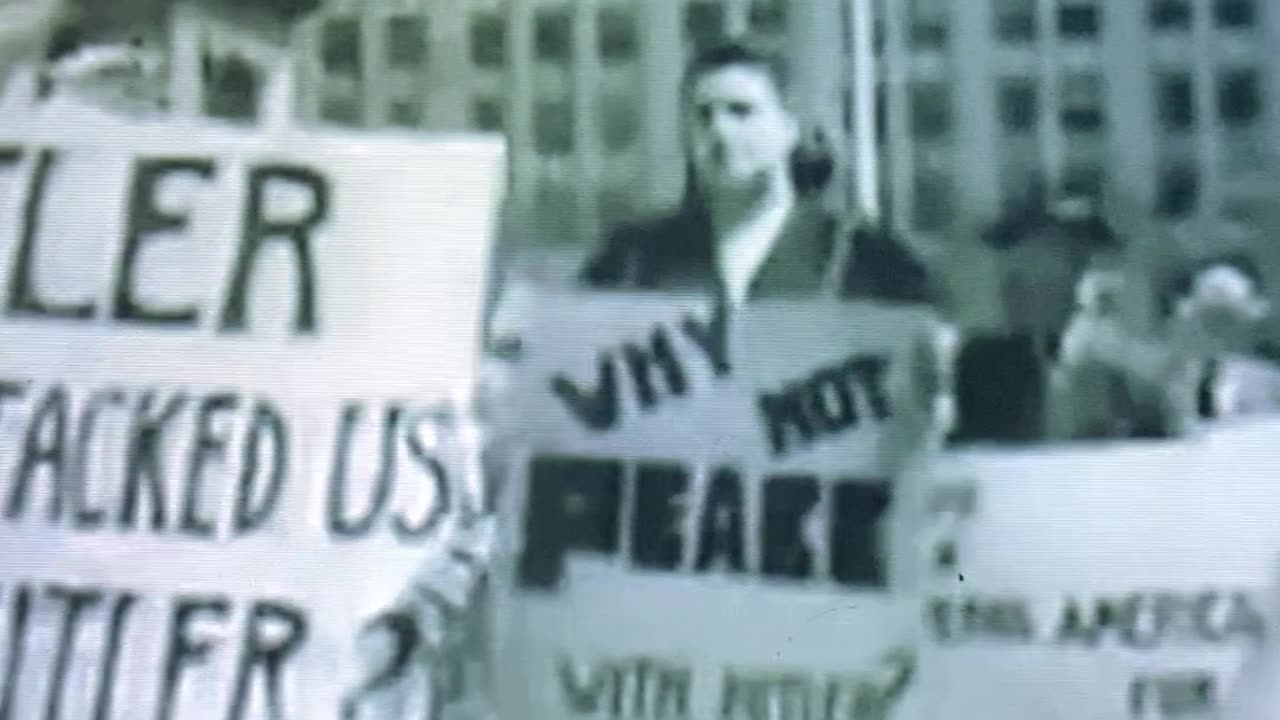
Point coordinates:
[[1119, 384], [752, 224], [1002, 377], [116, 56], [1213, 324]]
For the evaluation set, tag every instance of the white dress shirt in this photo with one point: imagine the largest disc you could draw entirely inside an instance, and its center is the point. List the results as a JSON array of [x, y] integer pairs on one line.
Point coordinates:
[[744, 249]]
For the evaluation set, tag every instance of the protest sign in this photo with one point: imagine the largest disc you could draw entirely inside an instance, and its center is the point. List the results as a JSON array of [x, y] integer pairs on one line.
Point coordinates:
[[1111, 581], [700, 523], [222, 359]]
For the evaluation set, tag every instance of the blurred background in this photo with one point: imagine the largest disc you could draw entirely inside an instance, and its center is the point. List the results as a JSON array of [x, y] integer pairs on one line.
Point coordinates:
[[1162, 113], [1158, 120]]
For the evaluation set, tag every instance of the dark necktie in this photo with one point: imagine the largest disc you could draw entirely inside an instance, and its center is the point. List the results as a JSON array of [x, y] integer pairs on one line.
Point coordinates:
[[1206, 403]]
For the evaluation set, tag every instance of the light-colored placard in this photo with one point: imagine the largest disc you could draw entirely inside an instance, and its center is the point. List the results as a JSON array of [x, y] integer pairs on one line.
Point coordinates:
[[780, 429], [1110, 581], [206, 335]]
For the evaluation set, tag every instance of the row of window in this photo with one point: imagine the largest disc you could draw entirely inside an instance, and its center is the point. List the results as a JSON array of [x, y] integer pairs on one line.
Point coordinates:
[[1238, 96], [406, 43], [933, 202], [618, 39], [1015, 21]]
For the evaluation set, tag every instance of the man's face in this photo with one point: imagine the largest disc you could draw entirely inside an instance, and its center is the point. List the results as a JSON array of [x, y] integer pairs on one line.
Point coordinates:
[[739, 131]]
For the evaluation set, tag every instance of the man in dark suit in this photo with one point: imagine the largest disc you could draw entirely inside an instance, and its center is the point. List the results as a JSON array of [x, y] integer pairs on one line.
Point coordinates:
[[751, 225]]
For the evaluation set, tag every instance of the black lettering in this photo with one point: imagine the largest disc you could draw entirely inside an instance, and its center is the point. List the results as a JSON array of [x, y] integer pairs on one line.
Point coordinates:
[[869, 373], [657, 522], [722, 527], [10, 156], [44, 446], [86, 517], [340, 524], [20, 611], [586, 695], [258, 230], [830, 400], [1145, 630], [788, 502], [10, 389], [267, 655], [146, 222], [267, 425], [1244, 620], [74, 603], [441, 496], [145, 459], [210, 446], [675, 685], [712, 338], [856, 548], [573, 504], [23, 298], [111, 656], [403, 632], [1077, 625], [640, 362], [938, 618], [183, 650], [783, 411], [596, 409]]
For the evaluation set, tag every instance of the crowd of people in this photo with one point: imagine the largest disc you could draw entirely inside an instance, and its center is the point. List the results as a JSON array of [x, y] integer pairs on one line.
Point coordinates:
[[752, 225], [1076, 361]]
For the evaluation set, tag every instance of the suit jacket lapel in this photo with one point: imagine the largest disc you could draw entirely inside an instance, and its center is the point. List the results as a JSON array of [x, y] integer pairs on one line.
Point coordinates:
[[799, 262]]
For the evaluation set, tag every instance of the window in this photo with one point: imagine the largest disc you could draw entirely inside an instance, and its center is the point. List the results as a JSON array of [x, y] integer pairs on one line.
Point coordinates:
[[930, 110], [1082, 103], [553, 34], [1177, 190], [617, 34], [931, 209], [768, 17], [882, 113], [1233, 13], [340, 46], [553, 128], [929, 22], [1239, 97], [488, 40], [406, 42], [1077, 20], [618, 120], [231, 89], [1015, 20], [406, 114], [1176, 103], [486, 115], [704, 22], [1170, 15], [1018, 105], [1083, 179]]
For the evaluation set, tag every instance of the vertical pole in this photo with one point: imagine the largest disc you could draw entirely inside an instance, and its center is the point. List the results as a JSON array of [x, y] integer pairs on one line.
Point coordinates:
[[862, 75]]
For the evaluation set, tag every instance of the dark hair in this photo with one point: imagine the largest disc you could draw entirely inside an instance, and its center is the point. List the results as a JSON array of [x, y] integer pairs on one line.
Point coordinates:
[[813, 161], [1183, 282], [737, 52]]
